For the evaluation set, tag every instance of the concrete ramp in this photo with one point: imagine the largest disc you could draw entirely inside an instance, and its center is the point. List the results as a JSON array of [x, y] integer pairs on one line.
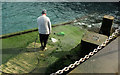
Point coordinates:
[[105, 61]]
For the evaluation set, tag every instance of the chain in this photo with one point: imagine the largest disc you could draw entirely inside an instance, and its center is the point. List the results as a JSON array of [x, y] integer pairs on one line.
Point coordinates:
[[76, 63]]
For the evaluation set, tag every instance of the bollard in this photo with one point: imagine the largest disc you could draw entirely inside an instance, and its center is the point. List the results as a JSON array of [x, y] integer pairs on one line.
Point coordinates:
[[106, 25], [90, 41]]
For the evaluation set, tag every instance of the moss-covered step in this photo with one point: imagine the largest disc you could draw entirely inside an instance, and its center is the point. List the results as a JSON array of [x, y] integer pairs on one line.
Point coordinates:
[[18, 50], [22, 63]]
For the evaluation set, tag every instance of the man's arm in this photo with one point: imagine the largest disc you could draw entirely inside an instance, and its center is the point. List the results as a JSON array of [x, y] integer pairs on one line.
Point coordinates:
[[49, 25], [38, 25]]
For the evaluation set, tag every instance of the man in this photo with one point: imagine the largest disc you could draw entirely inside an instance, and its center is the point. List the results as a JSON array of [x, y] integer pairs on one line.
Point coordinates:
[[44, 28]]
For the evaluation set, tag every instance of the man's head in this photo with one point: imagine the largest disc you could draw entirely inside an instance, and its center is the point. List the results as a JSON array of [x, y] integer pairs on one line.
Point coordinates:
[[44, 11]]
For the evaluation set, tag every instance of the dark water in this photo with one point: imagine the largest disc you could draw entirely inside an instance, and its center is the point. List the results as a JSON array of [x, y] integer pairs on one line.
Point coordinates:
[[18, 16]]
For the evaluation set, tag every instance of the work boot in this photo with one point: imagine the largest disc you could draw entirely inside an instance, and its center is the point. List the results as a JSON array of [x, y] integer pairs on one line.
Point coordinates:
[[45, 48], [41, 48]]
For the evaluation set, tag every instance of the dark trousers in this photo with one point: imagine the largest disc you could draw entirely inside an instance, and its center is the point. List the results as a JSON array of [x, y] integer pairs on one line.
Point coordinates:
[[43, 39]]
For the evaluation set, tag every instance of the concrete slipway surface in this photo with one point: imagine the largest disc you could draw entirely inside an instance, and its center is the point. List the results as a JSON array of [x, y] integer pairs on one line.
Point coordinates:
[[104, 62]]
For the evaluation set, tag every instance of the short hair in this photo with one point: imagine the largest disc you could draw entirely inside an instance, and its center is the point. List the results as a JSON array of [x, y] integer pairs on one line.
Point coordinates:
[[44, 11]]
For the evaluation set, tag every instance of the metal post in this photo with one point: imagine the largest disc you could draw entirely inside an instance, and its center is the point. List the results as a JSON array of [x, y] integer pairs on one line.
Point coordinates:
[[106, 25]]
